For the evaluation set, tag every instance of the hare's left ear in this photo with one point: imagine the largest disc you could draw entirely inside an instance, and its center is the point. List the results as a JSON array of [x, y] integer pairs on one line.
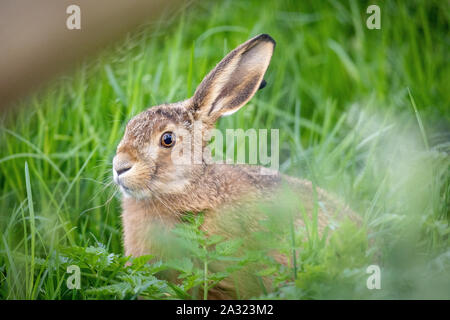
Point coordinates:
[[234, 81]]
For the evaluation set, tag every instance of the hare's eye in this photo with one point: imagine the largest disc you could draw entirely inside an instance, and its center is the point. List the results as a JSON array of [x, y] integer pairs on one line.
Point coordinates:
[[168, 139]]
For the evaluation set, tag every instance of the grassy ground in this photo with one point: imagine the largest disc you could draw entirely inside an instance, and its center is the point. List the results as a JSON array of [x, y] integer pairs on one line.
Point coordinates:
[[363, 113]]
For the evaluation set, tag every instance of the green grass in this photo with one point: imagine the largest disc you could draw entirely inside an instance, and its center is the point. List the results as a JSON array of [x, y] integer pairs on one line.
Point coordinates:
[[362, 113]]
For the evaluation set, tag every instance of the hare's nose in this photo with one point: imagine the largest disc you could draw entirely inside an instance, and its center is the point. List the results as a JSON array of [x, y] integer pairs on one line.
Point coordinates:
[[123, 169], [121, 164]]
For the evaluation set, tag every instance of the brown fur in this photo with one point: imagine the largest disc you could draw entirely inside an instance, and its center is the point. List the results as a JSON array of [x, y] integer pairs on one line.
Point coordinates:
[[158, 192]]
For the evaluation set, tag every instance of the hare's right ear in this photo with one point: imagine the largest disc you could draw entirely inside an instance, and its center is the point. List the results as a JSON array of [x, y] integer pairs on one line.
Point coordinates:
[[234, 81]]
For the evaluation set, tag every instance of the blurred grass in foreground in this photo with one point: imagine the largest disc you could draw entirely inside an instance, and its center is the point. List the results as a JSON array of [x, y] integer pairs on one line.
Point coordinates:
[[362, 113]]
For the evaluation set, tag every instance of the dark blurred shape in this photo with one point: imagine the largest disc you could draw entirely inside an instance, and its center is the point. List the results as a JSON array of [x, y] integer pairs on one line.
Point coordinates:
[[262, 85], [36, 44]]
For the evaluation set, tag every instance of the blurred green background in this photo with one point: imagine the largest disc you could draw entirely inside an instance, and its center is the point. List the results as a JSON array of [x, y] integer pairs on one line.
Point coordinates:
[[362, 113]]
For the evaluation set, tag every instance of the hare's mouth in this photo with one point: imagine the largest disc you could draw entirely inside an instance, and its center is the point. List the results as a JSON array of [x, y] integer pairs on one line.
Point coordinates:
[[126, 190], [119, 181], [124, 187], [121, 185]]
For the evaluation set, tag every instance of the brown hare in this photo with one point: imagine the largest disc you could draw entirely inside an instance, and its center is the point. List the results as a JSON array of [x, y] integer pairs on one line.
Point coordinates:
[[157, 190]]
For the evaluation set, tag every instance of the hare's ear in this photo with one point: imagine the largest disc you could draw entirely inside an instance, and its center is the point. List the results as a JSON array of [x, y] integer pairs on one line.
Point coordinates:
[[234, 81]]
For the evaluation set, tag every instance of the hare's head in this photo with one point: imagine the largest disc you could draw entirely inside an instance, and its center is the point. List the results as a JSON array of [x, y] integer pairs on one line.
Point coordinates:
[[162, 149]]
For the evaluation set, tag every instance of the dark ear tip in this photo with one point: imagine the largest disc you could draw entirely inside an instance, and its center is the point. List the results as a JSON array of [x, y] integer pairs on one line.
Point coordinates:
[[266, 37], [262, 85]]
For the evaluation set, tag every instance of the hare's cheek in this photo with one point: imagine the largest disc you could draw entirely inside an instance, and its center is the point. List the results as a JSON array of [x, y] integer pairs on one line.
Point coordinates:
[[175, 177], [177, 186], [182, 153], [151, 153]]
